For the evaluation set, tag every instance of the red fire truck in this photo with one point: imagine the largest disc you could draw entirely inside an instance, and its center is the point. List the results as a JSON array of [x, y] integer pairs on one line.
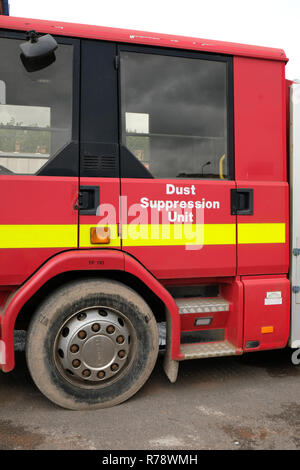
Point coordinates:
[[146, 183]]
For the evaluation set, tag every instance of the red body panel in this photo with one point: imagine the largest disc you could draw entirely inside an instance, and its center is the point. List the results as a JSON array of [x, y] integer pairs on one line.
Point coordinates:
[[260, 120], [234, 327], [261, 159], [34, 200], [270, 205], [169, 262], [258, 315], [174, 262], [141, 37]]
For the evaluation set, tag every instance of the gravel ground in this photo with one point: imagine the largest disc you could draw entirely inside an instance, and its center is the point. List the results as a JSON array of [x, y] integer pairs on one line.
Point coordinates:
[[246, 402]]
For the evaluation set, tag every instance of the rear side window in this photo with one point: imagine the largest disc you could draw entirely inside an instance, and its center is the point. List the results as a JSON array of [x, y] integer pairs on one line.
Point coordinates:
[[35, 109], [175, 114]]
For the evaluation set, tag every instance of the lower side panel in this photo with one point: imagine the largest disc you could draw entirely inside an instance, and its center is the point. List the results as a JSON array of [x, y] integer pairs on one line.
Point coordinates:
[[266, 312], [18, 264], [179, 262]]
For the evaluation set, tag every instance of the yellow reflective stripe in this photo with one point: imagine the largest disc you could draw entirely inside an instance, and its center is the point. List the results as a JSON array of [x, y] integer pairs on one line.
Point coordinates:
[[65, 236], [178, 234], [38, 236], [261, 233], [85, 237]]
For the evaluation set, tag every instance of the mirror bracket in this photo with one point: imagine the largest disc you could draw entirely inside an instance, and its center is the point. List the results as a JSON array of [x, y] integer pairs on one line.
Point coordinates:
[[32, 36]]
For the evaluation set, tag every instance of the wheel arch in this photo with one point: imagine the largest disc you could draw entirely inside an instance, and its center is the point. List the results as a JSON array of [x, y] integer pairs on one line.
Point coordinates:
[[26, 312], [67, 266]]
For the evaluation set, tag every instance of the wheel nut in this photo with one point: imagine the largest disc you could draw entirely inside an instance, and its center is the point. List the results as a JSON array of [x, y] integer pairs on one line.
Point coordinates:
[[96, 327], [76, 363], [120, 339], [114, 367], [81, 334], [86, 372], [81, 316], [65, 332], [101, 374], [110, 329], [122, 354], [74, 348]]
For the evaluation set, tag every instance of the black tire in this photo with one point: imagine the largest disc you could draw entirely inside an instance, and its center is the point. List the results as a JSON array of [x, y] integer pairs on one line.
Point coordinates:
[[47, 360]]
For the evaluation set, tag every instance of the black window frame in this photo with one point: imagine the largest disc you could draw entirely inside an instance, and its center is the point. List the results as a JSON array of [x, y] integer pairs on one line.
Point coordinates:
[[61, 165], [99, 110], [130, 167]]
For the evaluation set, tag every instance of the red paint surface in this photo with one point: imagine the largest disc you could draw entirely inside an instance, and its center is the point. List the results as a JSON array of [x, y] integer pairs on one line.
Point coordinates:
[[261, 158], [178, 262], [174, 262], [270, 205], [18, 264], [38, 199], [260, 120], [233, 292], [140, 37], [258, 315], [33, 200]]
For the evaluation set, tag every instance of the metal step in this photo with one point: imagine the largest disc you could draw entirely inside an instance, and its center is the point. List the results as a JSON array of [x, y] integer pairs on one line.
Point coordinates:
[[200, 351], [202, 305]]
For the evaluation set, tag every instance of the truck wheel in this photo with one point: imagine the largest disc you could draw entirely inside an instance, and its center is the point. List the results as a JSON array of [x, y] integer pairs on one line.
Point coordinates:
[[92, 344]]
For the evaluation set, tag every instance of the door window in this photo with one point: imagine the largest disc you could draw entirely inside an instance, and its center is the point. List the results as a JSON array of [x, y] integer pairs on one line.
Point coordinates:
[[35, 109], [175, 114]]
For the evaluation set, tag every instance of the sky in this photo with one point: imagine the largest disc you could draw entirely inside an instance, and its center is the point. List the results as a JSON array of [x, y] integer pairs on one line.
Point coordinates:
[[273, 23]]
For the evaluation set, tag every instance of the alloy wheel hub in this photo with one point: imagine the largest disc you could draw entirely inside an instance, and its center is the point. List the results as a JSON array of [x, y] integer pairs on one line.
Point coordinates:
[[93, 345]]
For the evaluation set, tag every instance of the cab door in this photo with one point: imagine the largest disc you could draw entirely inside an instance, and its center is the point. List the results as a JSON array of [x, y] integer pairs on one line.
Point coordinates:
[[176, 155], [39, 156]]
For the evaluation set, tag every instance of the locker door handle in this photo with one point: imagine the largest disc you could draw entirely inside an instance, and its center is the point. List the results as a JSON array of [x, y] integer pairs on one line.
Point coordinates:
[[242, 201], [88, 200]]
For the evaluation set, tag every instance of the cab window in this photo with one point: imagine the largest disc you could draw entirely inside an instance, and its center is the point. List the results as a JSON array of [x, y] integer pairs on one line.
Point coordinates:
[[175, 114], [35, 109]]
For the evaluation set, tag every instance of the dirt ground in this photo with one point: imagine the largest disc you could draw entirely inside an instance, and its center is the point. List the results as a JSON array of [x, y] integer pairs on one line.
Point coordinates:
[[246, 402]]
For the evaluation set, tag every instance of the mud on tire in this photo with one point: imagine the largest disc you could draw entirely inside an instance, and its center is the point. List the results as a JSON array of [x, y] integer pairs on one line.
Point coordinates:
[[92, 344]]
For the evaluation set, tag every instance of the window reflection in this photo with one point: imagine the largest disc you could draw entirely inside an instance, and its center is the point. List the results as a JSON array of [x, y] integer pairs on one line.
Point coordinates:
[[174, 114], [35, 109]]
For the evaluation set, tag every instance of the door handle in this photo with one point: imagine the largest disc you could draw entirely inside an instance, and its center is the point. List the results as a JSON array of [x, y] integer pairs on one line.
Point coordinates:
[[88, 200], [242, 201]]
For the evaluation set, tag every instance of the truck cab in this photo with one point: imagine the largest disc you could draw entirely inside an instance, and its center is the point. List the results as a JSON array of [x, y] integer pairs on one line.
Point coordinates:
[[144, 189]]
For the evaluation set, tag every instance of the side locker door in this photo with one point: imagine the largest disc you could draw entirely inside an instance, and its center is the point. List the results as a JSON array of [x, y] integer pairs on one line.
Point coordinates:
[[261, 170], [39, 156], [263, 221], [176, 159], [99, 154]]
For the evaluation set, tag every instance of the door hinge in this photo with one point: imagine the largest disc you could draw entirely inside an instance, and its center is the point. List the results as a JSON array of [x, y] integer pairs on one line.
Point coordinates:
[[296, 289], [296, 251]]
